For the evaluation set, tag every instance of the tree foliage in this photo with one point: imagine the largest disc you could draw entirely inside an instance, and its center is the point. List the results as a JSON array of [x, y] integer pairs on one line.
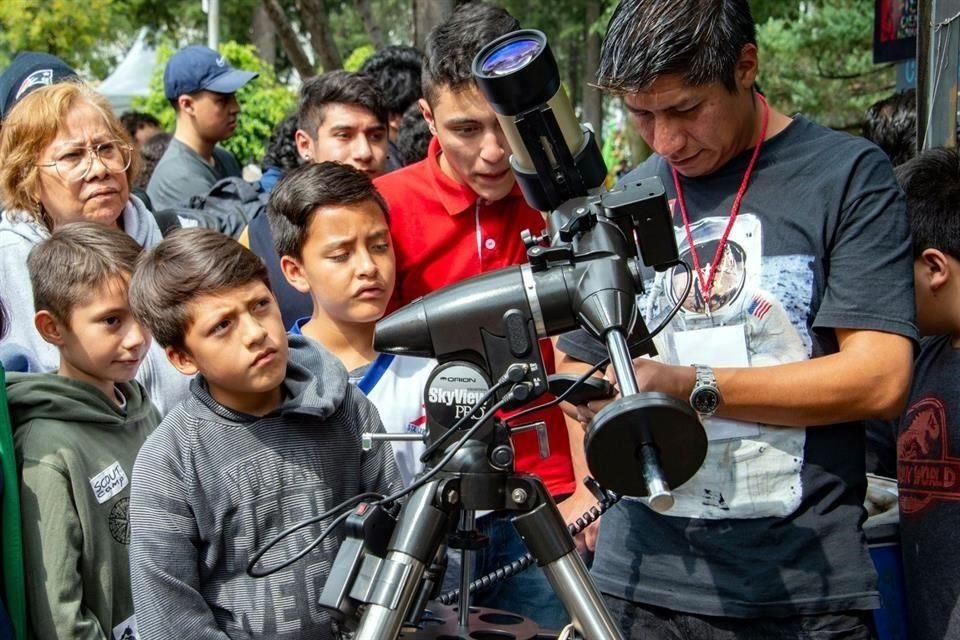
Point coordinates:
[[820, 62], [264, 101]]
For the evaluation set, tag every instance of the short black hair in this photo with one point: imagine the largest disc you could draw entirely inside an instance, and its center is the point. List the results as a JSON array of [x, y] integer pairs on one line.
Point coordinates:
[[699, 39], [337, 87], [931, 182], [414, 136], [135, 120], [282, 145], [452, 46], [299, 193], [891, 124], [150, 152], [396, 70]]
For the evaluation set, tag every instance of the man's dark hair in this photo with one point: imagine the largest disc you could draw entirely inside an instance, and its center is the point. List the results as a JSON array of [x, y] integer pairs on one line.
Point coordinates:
[[414, 136], [699, 39], [187, 264], [931, 182], [337, 87], [282, 145], [150, 152], [396, 70], [298, 195], [135, 120], [71, 266], [891, 124], [452, 46]]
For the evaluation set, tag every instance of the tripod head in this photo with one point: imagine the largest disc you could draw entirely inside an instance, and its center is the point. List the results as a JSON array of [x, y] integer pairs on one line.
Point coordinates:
[[584, 272]]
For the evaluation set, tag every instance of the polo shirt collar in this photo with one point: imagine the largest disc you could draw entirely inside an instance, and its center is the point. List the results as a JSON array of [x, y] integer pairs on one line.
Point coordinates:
[[455, 197]]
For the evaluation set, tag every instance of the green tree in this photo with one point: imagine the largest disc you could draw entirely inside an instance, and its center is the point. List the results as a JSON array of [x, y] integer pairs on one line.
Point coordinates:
[[265, 102], [74, 31], [820, 62]]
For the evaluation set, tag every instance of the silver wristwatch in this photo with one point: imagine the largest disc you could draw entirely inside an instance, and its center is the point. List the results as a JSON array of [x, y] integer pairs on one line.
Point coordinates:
[[705, 397]]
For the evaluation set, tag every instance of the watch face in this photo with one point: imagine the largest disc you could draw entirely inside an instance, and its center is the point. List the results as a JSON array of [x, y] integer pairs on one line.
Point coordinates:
[[706, 400]]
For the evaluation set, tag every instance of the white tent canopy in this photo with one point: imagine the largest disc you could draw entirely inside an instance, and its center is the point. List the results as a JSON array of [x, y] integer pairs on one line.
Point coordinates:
[[132, 76]]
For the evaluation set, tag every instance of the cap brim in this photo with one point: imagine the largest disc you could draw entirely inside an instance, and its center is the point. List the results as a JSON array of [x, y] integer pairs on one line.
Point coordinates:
[[231, 81]]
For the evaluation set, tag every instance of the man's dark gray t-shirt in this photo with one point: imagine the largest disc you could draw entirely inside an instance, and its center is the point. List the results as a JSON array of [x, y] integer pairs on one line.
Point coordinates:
[[771, 523], [182, 174], [928, 472]]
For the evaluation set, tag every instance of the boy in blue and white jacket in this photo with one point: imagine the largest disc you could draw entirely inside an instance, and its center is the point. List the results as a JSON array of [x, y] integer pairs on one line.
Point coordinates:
[[330, 227]]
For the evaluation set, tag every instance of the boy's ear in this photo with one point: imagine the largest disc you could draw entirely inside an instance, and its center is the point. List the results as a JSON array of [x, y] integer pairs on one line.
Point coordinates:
[[294, 273], [181, 360], [936, 269], [427, 114], [49, 328], [304, 145]]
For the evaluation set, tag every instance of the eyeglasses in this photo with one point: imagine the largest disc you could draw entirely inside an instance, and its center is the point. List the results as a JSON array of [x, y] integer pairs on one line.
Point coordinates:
[[74, 163]]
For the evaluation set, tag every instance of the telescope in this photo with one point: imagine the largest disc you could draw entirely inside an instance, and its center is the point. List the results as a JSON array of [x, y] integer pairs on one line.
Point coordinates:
[[584, 272]]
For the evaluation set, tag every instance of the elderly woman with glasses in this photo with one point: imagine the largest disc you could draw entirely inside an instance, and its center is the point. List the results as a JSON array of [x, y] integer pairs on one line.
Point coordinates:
[[65, 157]]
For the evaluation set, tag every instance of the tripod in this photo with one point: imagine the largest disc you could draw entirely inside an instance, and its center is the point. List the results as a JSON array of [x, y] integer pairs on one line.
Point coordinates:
[[393, 587]]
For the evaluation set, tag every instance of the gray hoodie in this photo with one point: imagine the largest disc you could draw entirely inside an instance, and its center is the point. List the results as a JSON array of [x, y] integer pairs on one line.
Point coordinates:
[[23, 348], [211, 486]]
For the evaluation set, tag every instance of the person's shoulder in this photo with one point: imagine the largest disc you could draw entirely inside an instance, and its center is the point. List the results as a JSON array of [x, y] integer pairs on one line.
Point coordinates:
[[396, 184], [826, 142]]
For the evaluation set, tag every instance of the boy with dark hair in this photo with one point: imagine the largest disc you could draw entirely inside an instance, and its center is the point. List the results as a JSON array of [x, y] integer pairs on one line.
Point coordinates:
[[330, 228], [928, 446], [790, 252], [396, 70], [141, 126], [460, 213], [270, 436], [77, 432], [201, 85], [340, 119], [891, 124]]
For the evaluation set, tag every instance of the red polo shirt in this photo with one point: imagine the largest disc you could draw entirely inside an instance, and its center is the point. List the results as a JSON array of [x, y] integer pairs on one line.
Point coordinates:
[[443, 233]]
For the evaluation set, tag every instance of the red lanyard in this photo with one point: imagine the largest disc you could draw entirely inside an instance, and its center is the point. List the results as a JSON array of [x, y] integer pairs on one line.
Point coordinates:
[[706, 287]]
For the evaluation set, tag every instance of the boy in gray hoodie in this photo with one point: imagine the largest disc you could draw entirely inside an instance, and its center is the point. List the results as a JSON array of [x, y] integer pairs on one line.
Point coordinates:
[[77, 432], [269, 436]]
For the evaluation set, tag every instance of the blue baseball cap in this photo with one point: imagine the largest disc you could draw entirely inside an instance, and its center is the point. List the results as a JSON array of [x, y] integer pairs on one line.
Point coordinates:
[[30, 70], [199, 68]]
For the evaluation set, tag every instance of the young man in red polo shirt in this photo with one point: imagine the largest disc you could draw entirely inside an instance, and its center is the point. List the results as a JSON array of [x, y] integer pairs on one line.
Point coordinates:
[[457, 214]]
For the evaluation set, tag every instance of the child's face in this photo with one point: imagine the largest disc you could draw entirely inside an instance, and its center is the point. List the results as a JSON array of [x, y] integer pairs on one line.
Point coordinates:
[[237, 341], [103, 344], [348, 265]]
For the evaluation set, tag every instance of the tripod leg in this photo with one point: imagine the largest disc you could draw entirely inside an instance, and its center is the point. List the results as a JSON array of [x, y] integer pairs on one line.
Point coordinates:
[[546, 536], [418, 534]]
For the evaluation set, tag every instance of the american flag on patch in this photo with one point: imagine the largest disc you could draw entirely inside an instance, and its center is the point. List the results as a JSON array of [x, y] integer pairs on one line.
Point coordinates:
[[759, 307], [418, 425]]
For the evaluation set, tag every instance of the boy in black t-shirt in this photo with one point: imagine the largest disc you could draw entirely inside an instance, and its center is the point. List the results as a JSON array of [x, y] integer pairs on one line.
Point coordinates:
[[928, 443]]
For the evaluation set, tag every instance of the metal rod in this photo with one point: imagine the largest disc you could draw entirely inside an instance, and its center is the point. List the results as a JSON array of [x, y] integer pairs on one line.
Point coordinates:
[[622, 363], [570, 581], [468, 520]]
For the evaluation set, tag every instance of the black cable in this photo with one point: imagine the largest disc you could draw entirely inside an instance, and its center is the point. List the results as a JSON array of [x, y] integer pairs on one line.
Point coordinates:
[[349, 502], [524, 561], [502, 382]]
